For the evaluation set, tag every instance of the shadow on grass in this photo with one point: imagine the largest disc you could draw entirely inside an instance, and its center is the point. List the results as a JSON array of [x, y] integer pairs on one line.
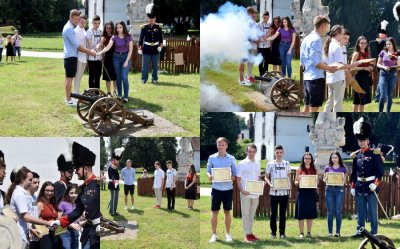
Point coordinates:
[[176, 212], [172, 84], [135, 103], [392, 224], [136, 211]]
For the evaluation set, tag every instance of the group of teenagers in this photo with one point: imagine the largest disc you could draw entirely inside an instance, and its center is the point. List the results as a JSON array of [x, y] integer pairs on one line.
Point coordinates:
[[108, 52], [59, 204], [275, 41], [162, 181], [365, 176], [13, 46], [316, 58]]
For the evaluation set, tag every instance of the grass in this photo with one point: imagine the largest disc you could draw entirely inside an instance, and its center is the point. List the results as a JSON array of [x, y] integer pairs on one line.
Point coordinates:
[[33, 100], [158, 228], [226, 79], [43, 42], [261, 229]]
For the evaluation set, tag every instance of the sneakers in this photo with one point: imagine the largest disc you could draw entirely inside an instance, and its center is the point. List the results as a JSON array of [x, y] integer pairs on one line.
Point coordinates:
[[133, 207], [301, 236], [126, 208], [308, 234], [337, 235], [144, 82], [154, 81], [125, 100], [357, 235], [109, 94], [273, 236], [251, 79], [244, 83], [70, 102], [282, 236], [249, 238], [157, 206], [213, 238], [228, 238], [254, 237], [330, 235]]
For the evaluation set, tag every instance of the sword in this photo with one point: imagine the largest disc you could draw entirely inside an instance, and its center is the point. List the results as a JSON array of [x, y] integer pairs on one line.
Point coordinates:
[[387, 217]]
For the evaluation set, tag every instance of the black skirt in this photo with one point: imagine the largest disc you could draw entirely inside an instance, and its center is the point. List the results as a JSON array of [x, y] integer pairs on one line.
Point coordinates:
[[306, 204], [275, 58], [109, 75], [364, 80], [190, 193]]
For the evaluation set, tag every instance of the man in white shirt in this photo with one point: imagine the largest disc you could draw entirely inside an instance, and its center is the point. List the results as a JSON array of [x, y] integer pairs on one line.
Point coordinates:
[[248, 169], [264, 45], [170, 185], [158, 183], [33, 233], [2, 176], [93, 37], [278, 168], [82, 57]]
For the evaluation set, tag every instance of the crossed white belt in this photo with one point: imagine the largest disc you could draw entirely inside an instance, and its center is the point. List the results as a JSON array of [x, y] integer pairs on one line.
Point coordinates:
[[363, 179]]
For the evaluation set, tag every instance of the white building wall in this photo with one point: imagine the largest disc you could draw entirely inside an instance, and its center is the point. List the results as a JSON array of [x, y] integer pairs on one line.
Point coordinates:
[[115, 10], [268, 138], [293, 136], [276, 8]]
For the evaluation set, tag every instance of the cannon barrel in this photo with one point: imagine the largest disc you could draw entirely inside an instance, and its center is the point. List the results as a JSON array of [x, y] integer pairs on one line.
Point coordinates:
[[84, 97], [262, 78], [375, 240]]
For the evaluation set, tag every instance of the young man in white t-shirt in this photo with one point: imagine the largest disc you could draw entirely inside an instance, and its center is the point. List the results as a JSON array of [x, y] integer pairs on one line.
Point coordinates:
[[248, 169], [170, 185], [158, 184], [33, 233], [278, 168], [82, 57]]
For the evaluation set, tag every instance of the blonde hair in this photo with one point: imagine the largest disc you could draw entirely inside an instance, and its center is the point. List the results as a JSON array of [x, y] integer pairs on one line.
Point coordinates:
[[74, 12]]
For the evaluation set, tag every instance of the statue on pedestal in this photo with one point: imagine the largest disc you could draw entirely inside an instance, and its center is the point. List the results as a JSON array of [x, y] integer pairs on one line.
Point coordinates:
[[184, 156], [135, 10], [304, 17]]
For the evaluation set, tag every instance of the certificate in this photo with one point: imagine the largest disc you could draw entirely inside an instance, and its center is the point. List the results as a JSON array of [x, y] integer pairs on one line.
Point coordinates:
[[371, 60], [334, 179], [281, 183], [221, 174], [254, 187], [42, 230], [60, 230], [308, 181], [7, 211], [337, 65]]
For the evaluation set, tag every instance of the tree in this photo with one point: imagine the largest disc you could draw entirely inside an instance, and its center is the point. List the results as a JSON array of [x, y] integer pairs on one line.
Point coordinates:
[[214, 125]]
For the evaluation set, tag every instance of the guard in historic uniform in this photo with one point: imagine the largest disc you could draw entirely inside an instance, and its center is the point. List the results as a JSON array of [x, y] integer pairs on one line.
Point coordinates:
[[88, 201], [2, 176], [64, 162], [113, 180], [150, 44], [365, 177]]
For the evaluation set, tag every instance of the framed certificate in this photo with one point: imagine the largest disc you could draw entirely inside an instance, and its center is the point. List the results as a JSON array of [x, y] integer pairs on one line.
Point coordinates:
[[254, 187], [371, 60], [60, 230], [281, 183], [334, 179], [308, 181], [221, 174], [42, 230]]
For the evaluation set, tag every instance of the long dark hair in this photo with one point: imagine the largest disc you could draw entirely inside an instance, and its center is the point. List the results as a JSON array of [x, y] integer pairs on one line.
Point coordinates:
[[289, 23], [357, 46], [335, 30], [105, 34], [272, 26], [303, 165], [66, 194], [192, 169], [52, 199], [124, 29], [20, 176], [391, 39], [340, 159]]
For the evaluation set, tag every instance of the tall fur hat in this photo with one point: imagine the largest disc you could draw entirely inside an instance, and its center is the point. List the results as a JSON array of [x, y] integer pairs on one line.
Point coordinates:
[[151, 10], [362, 129], [117, 153], [82, 156]]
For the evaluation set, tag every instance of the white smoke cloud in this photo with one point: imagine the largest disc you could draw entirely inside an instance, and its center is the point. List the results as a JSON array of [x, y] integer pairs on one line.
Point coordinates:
[[213, 100], [225, 37]]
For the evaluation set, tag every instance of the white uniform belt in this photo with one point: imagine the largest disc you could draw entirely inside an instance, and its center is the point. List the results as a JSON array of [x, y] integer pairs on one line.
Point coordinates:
[[96, 221], [151, 43], [363, 179]]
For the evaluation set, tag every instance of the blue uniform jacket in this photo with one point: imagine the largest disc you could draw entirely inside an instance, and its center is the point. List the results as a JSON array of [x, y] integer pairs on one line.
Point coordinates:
[[150, 34]]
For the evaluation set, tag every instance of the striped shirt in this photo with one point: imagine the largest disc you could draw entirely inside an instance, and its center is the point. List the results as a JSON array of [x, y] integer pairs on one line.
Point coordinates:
[[278, 170], [93, 37]]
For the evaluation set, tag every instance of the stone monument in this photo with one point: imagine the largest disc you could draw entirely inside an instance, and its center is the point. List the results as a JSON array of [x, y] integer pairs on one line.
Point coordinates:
[[136, 11], [184, 156], [327, 134], [303, 18]]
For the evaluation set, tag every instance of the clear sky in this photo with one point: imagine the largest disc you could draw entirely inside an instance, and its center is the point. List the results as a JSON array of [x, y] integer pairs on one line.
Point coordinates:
[[40, 155]]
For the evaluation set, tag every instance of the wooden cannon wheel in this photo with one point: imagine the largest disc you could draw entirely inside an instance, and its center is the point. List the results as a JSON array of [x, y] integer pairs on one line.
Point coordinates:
[[285, 94], [106, 116], [83, 106], [366, 243]]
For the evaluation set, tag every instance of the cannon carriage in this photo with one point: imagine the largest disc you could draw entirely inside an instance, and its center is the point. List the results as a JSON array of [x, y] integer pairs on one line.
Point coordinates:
[[280, 91], [106, 115]]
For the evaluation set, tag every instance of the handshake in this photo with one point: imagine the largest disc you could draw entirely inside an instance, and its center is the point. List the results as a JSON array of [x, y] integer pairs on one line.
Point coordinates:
[[54, 223]]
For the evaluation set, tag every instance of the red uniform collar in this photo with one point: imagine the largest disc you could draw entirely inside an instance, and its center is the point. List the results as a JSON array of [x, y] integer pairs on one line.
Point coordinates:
[[63, 180], [364, 150], [90, 179]]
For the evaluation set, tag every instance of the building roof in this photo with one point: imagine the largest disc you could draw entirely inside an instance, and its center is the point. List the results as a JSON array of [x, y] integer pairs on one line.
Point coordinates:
[[294, 114], [196, 143]]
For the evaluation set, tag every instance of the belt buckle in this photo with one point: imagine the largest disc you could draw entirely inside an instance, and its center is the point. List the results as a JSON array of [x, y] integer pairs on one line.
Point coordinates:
[[152, 43], [363, 179]]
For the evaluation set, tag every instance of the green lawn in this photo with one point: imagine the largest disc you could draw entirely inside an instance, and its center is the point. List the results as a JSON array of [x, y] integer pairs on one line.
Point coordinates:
[[158, 228], [43, 42], [32, 102], [261, 229], [226, 79]]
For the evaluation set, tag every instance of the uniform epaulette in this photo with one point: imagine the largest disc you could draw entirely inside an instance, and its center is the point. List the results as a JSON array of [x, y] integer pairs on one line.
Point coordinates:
[[160, 25], [143, 25], [98, 180], [354, 154], [377, 151], [79, 189]]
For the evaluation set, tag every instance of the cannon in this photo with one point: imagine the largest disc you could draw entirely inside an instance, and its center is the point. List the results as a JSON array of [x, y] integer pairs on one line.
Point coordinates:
[[111, 225], [375, 241], [280, 91], [106, 115]]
